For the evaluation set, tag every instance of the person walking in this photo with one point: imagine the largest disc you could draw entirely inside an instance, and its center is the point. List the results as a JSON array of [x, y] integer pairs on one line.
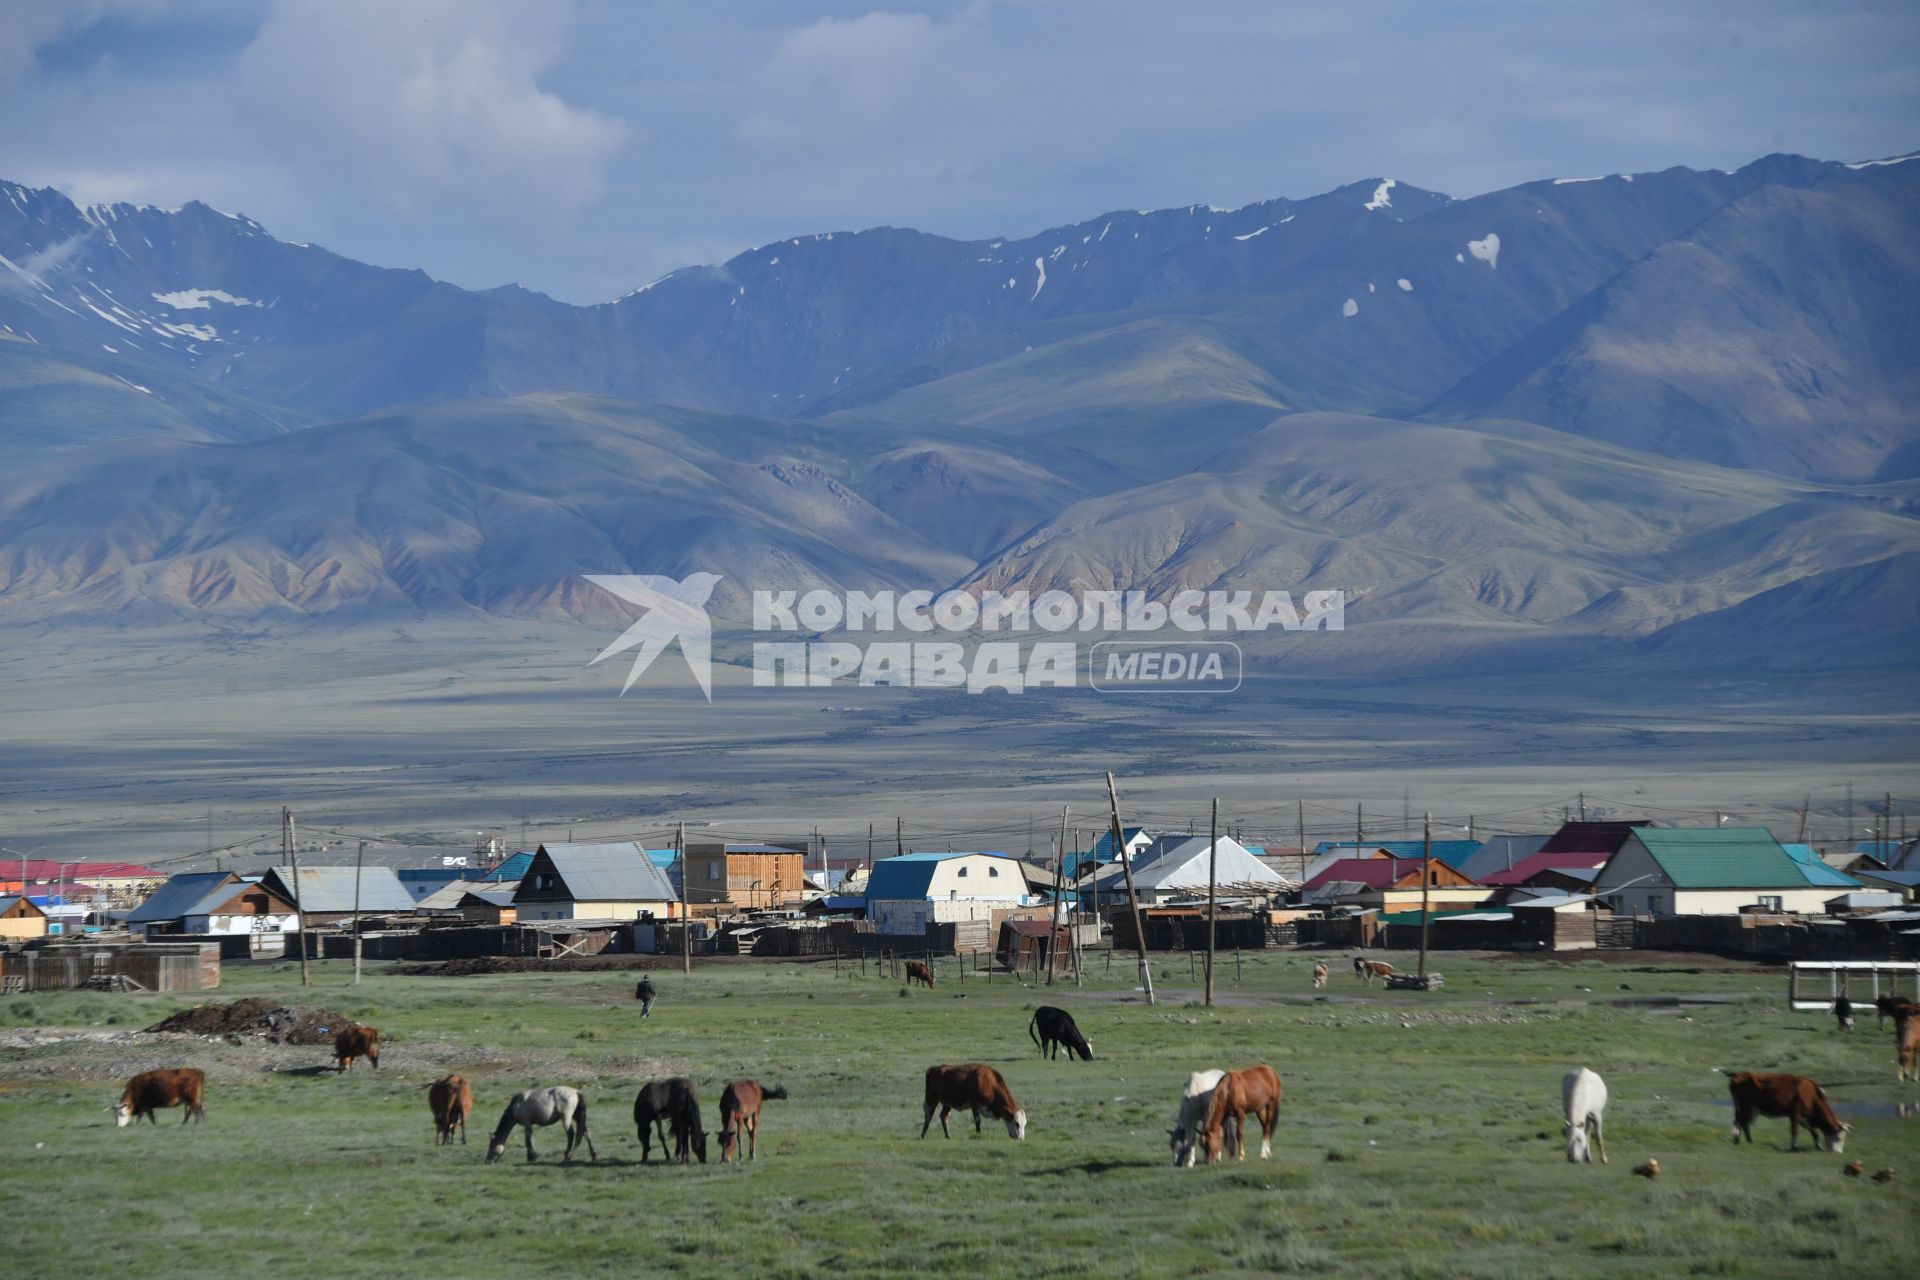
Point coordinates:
[[644, 993]]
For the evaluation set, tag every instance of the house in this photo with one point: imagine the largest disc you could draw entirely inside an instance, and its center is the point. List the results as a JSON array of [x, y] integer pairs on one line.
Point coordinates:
[[1818, 870], [327, 895], [422, 883], [511, 869], [1557, 870], [1711, 871], [1451, 852], [1393, 885], [615, 881], [1906, 883], [1175, 869], [81, 881], [1500, 853], [746, 875], [1132, 841], [907, 893], [213, 902], [21, 918]]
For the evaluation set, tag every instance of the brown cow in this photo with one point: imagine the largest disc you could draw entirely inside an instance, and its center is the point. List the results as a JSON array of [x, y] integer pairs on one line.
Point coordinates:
[[1319, 977], [451, 1098], [976, 1088], [740, 1113], [1255, 1089], [152, 1091], [1797, 1098], [356, 1042], [919, 971]]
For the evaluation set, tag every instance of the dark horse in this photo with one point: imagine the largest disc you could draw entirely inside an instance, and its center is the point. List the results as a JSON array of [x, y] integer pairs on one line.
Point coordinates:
[[670, 1104]]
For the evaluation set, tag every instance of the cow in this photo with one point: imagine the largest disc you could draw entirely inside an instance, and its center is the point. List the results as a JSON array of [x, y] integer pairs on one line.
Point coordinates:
[[1843, 1013], [1368, 970], [1320, 977], [1195, 1101], [451, 1099], [740, 1113], [976, 1088], [1797, 1098], [1253, 1089], [670, 1104], [356, 1042], [1583, 1101], [919, 971], [556, 1104], [1055, 1028], [152, 1091]]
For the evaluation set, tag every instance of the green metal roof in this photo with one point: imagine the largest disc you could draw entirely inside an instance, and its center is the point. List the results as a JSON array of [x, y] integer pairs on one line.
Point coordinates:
[[1721, 857]]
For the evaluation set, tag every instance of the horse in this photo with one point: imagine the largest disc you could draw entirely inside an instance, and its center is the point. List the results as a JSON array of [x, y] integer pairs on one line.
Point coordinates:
[[1255, 1089], [1371, 969], [673, 1104], [1583, 1100], [920, 971], [1195, 1101], [556, 1104], [740, 1113]]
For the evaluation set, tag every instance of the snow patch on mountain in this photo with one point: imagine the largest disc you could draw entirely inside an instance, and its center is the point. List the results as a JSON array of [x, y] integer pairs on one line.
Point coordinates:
[[1487, 250], [198, 299], [1381, 200]]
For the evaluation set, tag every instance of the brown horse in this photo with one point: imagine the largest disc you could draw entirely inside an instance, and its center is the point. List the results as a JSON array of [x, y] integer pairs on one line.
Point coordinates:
[[919, 971], [740, 1113], [1255, 1089]]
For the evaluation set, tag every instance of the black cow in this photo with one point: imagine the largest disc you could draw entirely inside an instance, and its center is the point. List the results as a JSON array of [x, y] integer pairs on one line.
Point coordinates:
[[671, 1104], [1055, 1029]]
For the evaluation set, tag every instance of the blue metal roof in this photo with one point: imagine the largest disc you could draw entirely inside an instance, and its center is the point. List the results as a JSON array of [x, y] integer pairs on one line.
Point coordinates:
[[174, 899], [513, 870], [1816, 870], [910, 874]]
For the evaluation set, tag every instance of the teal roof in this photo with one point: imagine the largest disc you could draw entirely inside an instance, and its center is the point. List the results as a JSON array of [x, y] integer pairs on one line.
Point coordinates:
[[1722, 858], [1816, 870], [910, 875]]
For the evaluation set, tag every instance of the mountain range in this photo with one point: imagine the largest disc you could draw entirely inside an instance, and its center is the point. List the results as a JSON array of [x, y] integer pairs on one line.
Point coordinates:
[[1635, 409]]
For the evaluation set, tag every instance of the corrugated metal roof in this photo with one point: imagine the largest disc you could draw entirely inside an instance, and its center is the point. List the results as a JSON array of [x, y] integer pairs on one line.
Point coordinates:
[[329, 890], [911, 874], [511, 870], [1721, 857], [173, 899], [1816, 870], [1497, 853], [619, 872], [1180, 862], [1533, 865], [1600, 837]]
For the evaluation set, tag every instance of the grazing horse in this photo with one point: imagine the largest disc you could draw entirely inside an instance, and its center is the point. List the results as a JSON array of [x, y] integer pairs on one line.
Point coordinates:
[[451, 1099], [556, 1104], [1253, 1089], [1371, 969], [1320, 977], [152, 1091], [740, 1113], [356, 1042], [673, 1104], [1195, 1101], [919, 971], [976, 1088], [1055, 1028], [1583, 1100], [1797, 1098]]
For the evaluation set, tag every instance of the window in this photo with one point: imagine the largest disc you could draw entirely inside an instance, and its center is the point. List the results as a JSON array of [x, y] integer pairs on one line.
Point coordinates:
[[962, 873], [713, 871], [1771, 903], [993, 871]]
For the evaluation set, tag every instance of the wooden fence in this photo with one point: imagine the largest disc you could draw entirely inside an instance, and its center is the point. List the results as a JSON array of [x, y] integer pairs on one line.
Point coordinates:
[[142, 966]]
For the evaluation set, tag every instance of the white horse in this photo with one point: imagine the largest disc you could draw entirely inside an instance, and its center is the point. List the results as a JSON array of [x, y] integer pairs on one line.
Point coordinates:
[[556, 1104], [1583, 1099], [1196, 1100]]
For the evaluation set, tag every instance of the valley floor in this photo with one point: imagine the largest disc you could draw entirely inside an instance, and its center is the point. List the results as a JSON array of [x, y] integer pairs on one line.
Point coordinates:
[[1420, 1134]]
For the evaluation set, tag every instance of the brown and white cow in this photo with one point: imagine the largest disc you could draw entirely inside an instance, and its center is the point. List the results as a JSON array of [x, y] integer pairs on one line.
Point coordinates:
[[451, 1098], [1797, 1098], [972, 1087], [1253, 1089], [1368, 970], [919, 971], [152, 1091], [356, 1042], [1319, 977]]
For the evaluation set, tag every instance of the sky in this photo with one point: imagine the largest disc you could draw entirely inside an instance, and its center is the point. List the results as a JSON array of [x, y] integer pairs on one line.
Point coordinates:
[[584, 148]]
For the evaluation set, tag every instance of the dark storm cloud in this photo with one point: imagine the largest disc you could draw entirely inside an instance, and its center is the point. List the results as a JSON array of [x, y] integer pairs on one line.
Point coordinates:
[[585, 150]]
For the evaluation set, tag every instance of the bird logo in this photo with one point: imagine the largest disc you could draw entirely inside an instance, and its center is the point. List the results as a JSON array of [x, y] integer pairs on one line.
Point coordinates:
[[670, 610]]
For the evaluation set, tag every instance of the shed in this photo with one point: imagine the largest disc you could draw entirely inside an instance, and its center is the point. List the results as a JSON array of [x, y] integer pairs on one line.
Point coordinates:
[[21, 918]]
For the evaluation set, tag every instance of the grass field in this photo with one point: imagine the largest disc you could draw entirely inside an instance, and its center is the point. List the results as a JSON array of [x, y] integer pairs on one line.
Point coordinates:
[[1420, 1134]]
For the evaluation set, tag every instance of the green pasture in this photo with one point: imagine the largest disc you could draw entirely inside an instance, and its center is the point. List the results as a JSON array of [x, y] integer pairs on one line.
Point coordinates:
[[1419, 1136]]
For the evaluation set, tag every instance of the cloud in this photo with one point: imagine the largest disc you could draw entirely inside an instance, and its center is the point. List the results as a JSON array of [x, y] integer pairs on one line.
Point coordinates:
[[30, 273], [432, 101]]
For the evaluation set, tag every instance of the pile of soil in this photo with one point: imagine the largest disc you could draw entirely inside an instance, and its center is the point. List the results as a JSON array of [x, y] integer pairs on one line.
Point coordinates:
[[257, 1019]]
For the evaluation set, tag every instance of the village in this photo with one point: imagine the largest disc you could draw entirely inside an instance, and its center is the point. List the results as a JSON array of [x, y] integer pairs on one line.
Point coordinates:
[[1623, 885]]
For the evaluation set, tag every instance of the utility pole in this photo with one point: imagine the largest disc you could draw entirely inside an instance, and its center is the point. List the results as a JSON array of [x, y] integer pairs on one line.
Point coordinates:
[[1470, 831], [1583, 806], [1800, 837], [1213, 903], [1073, 917], [1300, 819], [899, 835], [869, 846], [358, 857], [1133, 898], [1886, 825], [1053, 918], [1359, 827], [290, 834], [686, 914], [1426, 896]]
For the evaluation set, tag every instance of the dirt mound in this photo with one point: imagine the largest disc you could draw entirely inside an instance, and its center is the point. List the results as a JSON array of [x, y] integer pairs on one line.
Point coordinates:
[[256, 1018]]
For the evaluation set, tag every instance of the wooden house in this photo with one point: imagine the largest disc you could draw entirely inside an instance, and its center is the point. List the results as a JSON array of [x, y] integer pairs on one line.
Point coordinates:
[[745, 875], [20, 917], [615, 881]]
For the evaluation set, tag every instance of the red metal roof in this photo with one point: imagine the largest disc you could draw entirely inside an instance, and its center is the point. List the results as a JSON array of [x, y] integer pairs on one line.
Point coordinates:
[[1375, 873], [1534, 863], [1591, 837], [48, 869]]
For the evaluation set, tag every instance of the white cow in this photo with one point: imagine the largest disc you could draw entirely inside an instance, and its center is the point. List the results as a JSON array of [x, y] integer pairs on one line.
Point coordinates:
[[1583, 1099], [1195, 1101]]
